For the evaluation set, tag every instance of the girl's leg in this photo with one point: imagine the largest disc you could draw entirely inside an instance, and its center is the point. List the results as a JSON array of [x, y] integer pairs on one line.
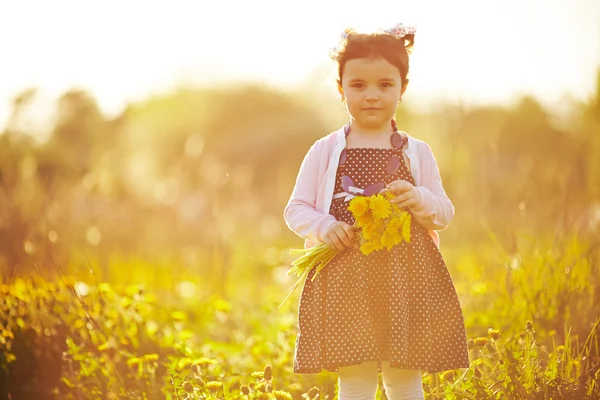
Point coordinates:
[[402, 384], [358, 382]]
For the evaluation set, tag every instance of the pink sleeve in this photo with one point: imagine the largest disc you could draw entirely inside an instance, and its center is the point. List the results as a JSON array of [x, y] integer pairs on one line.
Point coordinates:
[[300, 212], [435, 211]]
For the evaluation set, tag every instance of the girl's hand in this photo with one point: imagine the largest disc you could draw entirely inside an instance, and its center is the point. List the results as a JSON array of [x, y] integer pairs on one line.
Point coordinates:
[[406, 194], [340, 235]]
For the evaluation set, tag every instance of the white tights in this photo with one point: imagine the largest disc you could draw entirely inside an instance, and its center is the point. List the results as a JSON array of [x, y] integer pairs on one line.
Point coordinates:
[[359, 382]]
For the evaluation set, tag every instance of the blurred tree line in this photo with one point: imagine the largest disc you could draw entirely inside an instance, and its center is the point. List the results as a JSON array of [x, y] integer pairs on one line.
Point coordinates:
[[197, 180]]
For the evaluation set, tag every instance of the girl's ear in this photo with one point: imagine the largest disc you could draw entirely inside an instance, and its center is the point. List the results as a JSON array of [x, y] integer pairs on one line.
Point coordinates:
[[404, 85], [340, 90]]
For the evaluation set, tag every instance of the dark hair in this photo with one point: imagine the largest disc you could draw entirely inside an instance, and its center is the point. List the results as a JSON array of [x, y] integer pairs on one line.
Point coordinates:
[[374, 45]]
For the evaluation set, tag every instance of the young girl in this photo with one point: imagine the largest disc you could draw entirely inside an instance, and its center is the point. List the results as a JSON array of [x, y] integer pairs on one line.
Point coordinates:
[[393, 313]]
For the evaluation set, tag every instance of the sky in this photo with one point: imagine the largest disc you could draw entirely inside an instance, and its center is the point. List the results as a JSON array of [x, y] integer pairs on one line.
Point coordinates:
[[465, 50]]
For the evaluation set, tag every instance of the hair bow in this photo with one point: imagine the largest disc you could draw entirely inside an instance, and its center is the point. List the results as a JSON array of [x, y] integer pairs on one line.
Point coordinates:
[[399, 30]]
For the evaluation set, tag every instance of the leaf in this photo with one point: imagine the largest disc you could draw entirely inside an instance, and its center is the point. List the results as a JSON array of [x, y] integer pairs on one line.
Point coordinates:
[[373, 189], [393, 165], [397, 140], [346, 183]]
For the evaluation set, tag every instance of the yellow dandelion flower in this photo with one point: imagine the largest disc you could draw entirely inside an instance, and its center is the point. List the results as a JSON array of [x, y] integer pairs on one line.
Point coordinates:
[[401, 216], [394, 230], [406, 227], [359, 205], [377, 243], [394, 225], [214, 386], [380, 223], [380, 206], [282, 395], [387, 240], [370, 231], [494, 333], [368, 247], [398, 237], [364, 219]]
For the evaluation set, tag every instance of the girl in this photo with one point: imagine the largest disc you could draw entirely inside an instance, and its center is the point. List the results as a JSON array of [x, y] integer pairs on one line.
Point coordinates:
[[393, 313]]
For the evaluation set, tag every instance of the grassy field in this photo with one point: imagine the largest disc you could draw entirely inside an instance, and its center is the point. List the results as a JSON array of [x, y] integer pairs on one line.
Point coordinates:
[[144, 256], [533, 333]]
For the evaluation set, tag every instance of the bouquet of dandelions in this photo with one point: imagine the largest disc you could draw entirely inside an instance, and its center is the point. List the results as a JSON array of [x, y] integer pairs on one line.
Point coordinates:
[[378, 224]]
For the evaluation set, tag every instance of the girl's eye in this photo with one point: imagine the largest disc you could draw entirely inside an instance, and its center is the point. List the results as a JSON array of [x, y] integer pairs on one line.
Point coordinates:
[[357, 85], [386, 84]]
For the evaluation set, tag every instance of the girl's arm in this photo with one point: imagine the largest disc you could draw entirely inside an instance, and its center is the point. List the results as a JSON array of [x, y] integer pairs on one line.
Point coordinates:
[[435, 211], [300, 214]]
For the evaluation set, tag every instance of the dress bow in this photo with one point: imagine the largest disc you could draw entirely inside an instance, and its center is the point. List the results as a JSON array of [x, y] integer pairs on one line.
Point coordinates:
[[348, 196]]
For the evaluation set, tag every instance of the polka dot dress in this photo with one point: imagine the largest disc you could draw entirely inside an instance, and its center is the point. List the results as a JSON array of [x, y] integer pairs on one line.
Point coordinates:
[[400, 306]]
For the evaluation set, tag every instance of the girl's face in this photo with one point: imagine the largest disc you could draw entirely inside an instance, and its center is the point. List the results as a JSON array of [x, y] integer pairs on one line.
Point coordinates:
[[371, 89]]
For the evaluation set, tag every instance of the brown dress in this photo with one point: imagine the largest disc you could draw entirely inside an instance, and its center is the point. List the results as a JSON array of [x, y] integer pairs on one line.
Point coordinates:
[[400, 306]]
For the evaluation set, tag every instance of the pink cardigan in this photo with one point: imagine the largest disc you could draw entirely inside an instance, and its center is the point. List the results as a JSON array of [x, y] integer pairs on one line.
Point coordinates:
[[307, 211]]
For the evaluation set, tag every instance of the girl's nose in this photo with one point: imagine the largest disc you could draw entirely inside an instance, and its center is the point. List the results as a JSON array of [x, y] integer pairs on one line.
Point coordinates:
[[371, 95]]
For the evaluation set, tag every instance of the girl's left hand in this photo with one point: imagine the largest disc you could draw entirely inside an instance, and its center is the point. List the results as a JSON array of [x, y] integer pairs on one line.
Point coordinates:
[[406, 194]]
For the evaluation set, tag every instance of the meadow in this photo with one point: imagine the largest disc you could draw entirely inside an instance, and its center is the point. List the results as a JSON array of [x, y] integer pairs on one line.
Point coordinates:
[[145, 256]]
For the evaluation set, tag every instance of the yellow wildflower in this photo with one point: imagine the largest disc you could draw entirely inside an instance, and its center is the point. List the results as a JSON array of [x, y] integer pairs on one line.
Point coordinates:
[[282, 395], [368, 247], [380, 223], [373, 229], [364, 219], [370, 231], [387, 240], [380, 206], [394, 225], [494, 333], [389, 195], [214, 386], [377, 242], [394, 229], [359, 205], [406, 227], [398, 238]]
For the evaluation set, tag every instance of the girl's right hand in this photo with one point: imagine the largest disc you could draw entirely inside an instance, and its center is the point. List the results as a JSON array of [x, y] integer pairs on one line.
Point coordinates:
[[340, 235]]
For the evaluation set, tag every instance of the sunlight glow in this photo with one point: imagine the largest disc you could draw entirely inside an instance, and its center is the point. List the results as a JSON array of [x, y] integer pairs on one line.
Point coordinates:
[[123, 51]]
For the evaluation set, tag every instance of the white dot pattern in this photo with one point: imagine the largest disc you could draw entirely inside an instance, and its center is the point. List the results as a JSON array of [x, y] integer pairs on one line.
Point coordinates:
[[400, 306]]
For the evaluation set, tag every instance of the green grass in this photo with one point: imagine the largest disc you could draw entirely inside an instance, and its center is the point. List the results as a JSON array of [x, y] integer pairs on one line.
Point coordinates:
[[534, 333]]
